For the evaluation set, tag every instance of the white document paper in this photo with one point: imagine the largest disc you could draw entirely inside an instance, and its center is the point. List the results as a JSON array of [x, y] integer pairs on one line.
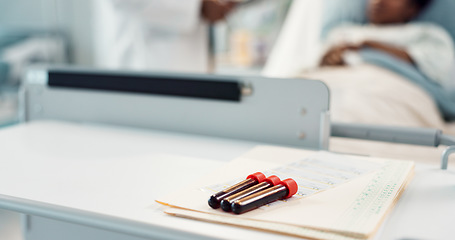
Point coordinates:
[[366, 189], [315, 173]]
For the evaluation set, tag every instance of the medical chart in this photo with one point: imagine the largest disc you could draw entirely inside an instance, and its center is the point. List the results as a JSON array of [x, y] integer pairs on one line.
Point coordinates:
[[315, 173], [340, 197]]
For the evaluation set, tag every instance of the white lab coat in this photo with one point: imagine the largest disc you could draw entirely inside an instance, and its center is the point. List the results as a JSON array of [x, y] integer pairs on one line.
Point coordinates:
[[162, 35]]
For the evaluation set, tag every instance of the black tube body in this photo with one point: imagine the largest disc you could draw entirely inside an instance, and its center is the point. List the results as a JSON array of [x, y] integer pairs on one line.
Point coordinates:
[[215, 199], [227, 202], [259, 199]]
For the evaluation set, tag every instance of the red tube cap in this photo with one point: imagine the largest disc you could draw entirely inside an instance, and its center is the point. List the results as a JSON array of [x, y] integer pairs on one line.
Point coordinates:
[[291, 185], [274, 180], [259, 177]]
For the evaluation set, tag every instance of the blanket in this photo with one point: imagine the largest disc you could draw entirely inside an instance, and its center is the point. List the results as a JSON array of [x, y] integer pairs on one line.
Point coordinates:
[[370, 94], [443, 96]]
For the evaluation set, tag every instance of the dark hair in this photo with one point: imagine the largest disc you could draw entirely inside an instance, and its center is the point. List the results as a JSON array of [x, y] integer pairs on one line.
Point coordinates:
[[422, 4]]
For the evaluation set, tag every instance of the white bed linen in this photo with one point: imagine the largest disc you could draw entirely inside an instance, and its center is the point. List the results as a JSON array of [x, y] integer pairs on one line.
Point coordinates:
[[373, 95]]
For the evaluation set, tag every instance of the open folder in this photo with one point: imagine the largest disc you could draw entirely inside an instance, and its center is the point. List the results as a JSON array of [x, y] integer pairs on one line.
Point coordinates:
[[349, 209]]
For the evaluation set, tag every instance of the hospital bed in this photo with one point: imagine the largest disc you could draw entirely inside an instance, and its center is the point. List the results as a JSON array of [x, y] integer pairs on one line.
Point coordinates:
[[18, 49], [382, 91], [311, 129], [22, 47], [84, 127]]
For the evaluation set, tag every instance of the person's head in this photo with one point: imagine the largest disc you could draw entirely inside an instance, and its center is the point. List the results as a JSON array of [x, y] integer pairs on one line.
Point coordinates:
[[395, 11]]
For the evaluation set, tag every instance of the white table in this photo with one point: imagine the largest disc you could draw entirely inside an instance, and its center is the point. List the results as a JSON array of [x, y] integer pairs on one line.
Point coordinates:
[[81, 180]]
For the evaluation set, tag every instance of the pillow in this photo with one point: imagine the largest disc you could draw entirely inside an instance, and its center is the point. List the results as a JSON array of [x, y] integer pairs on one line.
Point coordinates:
[[441, 12], [335, 12], [338, 11]]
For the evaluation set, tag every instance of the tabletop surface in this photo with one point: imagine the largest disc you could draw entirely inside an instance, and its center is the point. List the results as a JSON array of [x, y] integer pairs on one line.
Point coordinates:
[[109, 177]]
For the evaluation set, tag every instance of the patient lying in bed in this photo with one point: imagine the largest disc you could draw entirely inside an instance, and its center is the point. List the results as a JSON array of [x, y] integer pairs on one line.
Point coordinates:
[[403, 80], [427, 46]]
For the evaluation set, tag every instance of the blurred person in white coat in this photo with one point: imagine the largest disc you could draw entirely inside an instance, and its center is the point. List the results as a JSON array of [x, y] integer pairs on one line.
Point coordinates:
[[160, 35]]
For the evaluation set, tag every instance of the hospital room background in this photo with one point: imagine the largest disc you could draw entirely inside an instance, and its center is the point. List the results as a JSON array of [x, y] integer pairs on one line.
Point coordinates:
[[263, 37], [271, 38]]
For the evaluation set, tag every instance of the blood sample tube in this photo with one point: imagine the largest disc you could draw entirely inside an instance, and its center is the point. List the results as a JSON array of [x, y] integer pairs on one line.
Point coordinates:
[[285, 189], [250, 181], [268, 182]]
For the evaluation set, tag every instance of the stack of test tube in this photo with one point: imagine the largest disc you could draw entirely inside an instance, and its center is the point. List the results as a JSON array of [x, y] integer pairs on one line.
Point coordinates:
[[253, 192]]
